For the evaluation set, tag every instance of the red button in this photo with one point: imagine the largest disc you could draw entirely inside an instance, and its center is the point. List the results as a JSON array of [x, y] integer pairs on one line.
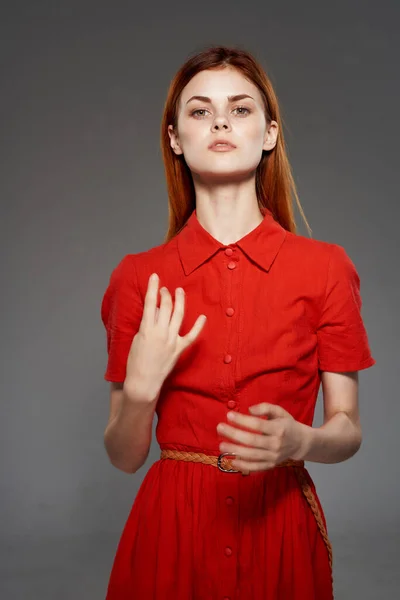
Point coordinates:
[[227, 358], [226, 598], [229, 311], [228, 551], [229, 500], [231, 265], [229, 251], [231, 404]]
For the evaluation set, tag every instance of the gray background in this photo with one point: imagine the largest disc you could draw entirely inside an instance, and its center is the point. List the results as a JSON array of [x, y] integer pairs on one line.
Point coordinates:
[[82, 184]]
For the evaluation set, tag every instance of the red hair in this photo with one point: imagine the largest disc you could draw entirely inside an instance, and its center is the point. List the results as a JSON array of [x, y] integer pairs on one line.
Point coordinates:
[[274, 181]]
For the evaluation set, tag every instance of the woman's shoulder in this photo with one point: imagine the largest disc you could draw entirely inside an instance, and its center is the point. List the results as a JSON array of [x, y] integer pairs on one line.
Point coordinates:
[[145, 262], [319, 262], [312, 250]]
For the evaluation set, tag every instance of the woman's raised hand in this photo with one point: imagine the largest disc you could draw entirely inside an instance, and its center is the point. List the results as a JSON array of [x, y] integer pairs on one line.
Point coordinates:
[[157, 345]]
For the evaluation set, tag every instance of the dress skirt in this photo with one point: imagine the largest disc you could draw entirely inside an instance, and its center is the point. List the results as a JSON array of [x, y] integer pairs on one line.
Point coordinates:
[[197, 533]]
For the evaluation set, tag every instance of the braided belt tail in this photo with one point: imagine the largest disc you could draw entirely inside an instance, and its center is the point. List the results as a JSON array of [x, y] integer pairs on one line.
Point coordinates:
[[224, 464], [312, 501]]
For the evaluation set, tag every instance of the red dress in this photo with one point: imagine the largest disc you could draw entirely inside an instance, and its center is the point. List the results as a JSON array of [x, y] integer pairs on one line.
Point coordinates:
[[280, 308]]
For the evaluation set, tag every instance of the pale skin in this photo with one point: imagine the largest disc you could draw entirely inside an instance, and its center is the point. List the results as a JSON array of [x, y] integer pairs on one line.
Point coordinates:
[[226, 205], [262, 444], [153, 354]]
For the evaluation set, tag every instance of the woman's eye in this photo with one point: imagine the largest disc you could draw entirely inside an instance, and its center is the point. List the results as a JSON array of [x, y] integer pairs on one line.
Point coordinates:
[[199, 110], [242, 108], [203, 110]]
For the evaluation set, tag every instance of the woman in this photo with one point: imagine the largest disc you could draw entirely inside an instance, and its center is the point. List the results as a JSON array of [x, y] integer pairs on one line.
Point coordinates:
[[226, 331]]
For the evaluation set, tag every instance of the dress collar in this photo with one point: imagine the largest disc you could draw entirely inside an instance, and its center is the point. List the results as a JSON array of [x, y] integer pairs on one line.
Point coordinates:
[[261, 245]]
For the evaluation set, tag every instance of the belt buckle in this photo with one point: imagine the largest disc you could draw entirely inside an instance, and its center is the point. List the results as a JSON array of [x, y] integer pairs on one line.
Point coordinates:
[[219, 463]]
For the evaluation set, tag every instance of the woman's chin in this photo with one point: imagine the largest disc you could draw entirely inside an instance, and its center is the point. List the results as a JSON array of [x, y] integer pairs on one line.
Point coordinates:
[[223, 174]]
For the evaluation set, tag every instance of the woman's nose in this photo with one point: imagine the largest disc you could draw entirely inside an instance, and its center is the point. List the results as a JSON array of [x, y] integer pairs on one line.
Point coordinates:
[[221, 123]]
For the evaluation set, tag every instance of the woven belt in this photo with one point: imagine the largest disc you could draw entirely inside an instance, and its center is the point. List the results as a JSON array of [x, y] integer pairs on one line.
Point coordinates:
[[222, 461]]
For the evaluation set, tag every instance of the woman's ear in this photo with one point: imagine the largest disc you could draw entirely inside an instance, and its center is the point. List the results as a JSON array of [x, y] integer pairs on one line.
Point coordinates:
[[271, 136], [174, 141]]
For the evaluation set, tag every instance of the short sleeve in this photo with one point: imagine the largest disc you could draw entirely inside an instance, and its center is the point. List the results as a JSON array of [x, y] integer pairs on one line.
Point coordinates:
[[341, 335], [121, 313]]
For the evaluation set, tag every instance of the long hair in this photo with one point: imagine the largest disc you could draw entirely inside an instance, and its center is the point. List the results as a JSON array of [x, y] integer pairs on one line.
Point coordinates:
[[274, 180]]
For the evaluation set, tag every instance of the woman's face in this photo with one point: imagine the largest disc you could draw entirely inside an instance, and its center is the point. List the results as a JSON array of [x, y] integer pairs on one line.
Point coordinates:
[[240, 121]]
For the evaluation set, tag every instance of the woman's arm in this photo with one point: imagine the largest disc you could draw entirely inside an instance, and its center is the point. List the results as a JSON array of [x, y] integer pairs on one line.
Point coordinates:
[[268, 443], [127, 437], [339, 438]]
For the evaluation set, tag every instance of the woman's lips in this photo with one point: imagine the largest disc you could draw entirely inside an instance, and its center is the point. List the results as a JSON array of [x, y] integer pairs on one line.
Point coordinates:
[[222, 147]]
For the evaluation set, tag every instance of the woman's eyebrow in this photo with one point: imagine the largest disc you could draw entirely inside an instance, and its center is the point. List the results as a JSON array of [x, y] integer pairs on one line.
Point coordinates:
[[230, 98]]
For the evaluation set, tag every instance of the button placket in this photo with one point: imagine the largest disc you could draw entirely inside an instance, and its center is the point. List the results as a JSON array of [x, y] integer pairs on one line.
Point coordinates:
[[230, 311], [231, 481]]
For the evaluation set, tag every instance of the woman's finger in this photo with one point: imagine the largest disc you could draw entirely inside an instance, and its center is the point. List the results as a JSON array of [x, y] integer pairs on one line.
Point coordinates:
[[178, 312], [164, 315], [250, 422], [189, 338], [246, 438], [246, 453], [150, 302], [245, 465]]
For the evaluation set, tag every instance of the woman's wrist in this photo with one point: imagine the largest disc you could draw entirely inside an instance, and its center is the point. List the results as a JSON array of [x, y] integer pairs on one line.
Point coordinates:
[[335, 441]]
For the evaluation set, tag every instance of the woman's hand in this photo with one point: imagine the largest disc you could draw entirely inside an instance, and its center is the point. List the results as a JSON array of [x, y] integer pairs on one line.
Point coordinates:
[[269, 442], [157, 345]]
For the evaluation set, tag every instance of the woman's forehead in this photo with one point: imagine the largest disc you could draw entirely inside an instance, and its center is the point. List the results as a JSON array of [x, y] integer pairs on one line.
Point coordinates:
[[219, 84]]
